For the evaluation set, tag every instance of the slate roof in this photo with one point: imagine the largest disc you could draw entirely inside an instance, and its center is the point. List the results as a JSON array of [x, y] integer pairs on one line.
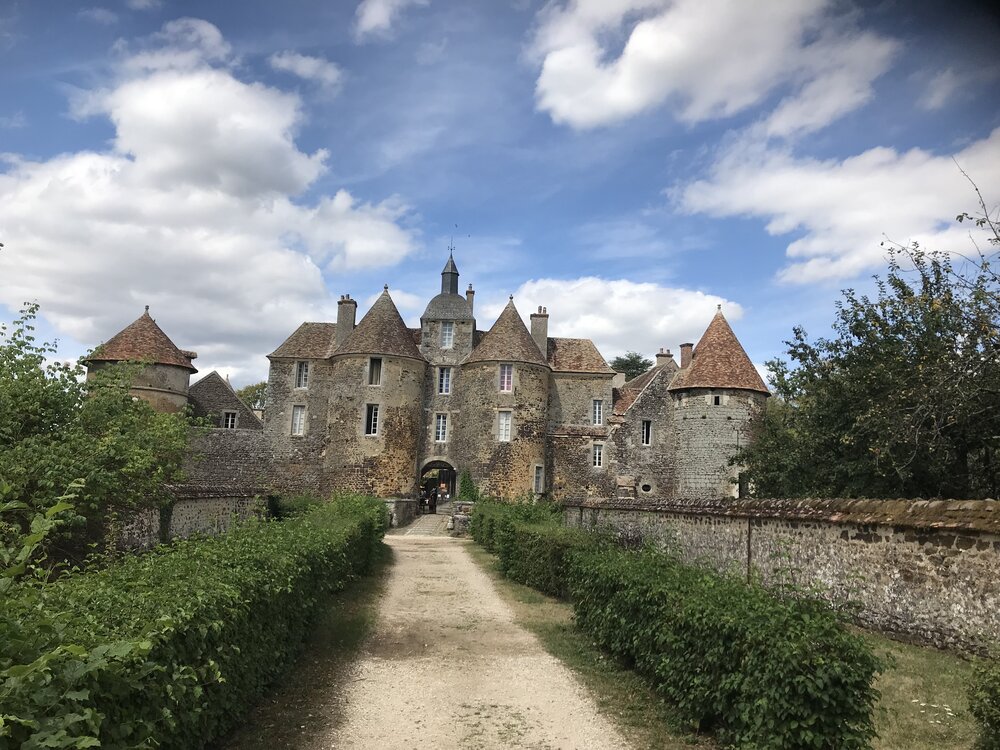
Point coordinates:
[[448, 307], [213, 395], [142, 341], [381, 331], [507, 341], [719, 361], [576, 355], [308, 341], [625, 396]]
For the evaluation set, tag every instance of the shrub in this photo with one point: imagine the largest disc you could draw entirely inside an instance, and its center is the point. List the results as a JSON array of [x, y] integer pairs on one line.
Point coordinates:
[[491, 519], [168, 649], [467, 489], [537, 555], [984, 703]]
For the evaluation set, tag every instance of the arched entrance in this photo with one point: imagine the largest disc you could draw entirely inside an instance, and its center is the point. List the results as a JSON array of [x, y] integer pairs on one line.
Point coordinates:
[[438, 475]]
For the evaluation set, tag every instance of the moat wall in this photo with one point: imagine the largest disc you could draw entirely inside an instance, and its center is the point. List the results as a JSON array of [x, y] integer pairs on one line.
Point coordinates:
[[925, 570]]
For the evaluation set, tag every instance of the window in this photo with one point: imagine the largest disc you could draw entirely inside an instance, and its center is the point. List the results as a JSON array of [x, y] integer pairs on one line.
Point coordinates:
[[371, 419], [444, 380], [598, 411], [506, 378], [647, 432], [229, 420], [440, 428], [375, 371], [298, 420], [716, 400], [539, 483], [598, 455], [447, 334], [301, 374], [504, 420]]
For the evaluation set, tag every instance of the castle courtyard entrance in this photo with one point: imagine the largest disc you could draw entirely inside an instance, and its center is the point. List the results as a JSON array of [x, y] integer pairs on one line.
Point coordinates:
[[434, 475]]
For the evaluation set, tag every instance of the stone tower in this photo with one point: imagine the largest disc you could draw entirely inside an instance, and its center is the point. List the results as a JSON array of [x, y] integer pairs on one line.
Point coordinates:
[[163, 381], [715, 395]]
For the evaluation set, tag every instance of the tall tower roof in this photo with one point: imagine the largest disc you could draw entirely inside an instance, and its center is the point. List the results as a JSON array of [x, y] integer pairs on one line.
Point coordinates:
[[449, 304], [143, 341], [381, 331], [450, 266], [719, 361], [508, 341]]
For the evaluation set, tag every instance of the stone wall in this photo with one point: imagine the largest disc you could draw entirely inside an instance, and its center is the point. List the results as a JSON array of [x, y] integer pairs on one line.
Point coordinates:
[[925, 570], [210, 515], [653, 467], [402, 510]]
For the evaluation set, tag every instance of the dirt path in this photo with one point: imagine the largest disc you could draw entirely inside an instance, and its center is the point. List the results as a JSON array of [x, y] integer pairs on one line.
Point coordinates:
[[448, 667]]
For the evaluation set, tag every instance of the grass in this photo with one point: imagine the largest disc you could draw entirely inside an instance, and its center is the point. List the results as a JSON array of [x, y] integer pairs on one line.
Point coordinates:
[[621, 695], [923, 704], [305, 706]]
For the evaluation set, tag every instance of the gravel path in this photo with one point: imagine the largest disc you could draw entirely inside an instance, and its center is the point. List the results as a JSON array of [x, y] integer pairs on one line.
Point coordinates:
[[449, 668]]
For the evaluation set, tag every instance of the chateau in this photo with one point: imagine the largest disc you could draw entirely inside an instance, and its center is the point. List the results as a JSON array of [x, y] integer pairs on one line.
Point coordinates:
[[380, 408]]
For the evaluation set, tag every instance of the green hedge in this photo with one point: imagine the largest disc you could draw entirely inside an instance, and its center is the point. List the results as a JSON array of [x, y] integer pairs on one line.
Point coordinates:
[[492, 519], [984, 703], [170, 648], [757, 670]]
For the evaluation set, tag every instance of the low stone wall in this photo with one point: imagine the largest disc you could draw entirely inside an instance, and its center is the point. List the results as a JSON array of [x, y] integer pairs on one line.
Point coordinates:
[[402, 510], [210, 515], [925, 570], [461, 517]]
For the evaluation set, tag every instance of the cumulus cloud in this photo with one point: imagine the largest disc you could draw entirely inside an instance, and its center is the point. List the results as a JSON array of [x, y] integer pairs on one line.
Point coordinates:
[[376, 17], [195, 209], [618, 314], [840, 209], [102, 16], [708, 58], [316, 69]]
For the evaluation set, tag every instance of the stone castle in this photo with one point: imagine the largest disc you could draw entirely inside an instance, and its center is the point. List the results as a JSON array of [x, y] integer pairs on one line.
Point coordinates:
[[380, 408]]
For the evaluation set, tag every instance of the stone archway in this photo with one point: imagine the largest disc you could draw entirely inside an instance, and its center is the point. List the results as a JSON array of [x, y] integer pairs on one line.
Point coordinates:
[[436, 473]]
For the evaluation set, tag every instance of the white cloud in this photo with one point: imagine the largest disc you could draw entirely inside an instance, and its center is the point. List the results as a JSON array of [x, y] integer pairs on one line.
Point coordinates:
[[618, 314], [708, 58], [192, 210], [316, 69], [144, 4], [376, 17], [941, 87], [840, 210], [16, 120], [102, 16]]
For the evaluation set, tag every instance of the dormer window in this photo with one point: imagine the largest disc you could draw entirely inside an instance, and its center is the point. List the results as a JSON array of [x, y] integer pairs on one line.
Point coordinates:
[[229, 420], [301, 374], [447, 334]]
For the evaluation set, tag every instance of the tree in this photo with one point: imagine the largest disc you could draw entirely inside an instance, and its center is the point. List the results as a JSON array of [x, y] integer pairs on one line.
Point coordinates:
[[63, 436], [904, 401], [253, 395], [632, 364]]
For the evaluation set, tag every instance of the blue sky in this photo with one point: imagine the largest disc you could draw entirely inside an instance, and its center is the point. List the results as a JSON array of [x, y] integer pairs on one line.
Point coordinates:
[[629, 164]]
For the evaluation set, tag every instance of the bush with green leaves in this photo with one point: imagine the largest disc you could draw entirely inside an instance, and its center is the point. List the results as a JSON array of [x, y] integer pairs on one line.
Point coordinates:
[[491, 519], [984, 702], [539, 554], [467, 489], [168, 649]]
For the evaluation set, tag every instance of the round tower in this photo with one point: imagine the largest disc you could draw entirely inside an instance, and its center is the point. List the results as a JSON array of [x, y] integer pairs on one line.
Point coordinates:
[[164, 379], [504, 409], [715, 394]]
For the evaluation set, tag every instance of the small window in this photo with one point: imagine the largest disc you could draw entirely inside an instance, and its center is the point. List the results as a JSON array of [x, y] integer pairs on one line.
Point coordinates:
[[440, 428], [444, 380], [301, 374], [504, 420], [298, 420], [598, 455], [506, 378], [539, 483], [716, 400], [447, 335], [598, 411], [371, 419], [647, 432], [375, 371], [229, 420]]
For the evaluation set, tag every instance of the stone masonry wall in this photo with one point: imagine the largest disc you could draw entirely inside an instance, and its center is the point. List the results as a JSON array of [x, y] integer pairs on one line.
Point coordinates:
[[501, 469], [653, 467], [570, 470], [925, 570]]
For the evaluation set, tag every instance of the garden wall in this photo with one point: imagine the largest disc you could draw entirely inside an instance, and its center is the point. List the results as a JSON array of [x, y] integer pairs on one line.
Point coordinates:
[[927, 570]]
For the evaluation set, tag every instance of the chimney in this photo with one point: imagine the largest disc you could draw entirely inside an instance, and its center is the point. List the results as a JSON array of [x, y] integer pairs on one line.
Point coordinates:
[[663, 356], [470, 295], [347, 310], [540, 330], [686, 354]]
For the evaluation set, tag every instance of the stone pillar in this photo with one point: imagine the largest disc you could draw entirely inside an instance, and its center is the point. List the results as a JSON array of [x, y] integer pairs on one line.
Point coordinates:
[[663, 356], [347, 310], [686, 354], [540, 330], [470, 295]]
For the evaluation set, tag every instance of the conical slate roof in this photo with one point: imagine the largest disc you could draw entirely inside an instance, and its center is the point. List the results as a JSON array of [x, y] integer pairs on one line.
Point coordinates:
[[446, 306], [719, 361], [450, 266], [508, 341], [142, 341], [381, 331]]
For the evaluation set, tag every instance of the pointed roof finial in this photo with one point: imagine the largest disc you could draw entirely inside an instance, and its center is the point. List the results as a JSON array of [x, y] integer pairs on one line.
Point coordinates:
[[385, 287], [147, 308], [512, 298], [718, 307]]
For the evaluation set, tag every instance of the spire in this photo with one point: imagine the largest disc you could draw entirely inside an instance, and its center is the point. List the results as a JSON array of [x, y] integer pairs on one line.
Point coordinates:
[[381, 331], [449, 276], [719, 361], [143, 341], [508, 340]]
